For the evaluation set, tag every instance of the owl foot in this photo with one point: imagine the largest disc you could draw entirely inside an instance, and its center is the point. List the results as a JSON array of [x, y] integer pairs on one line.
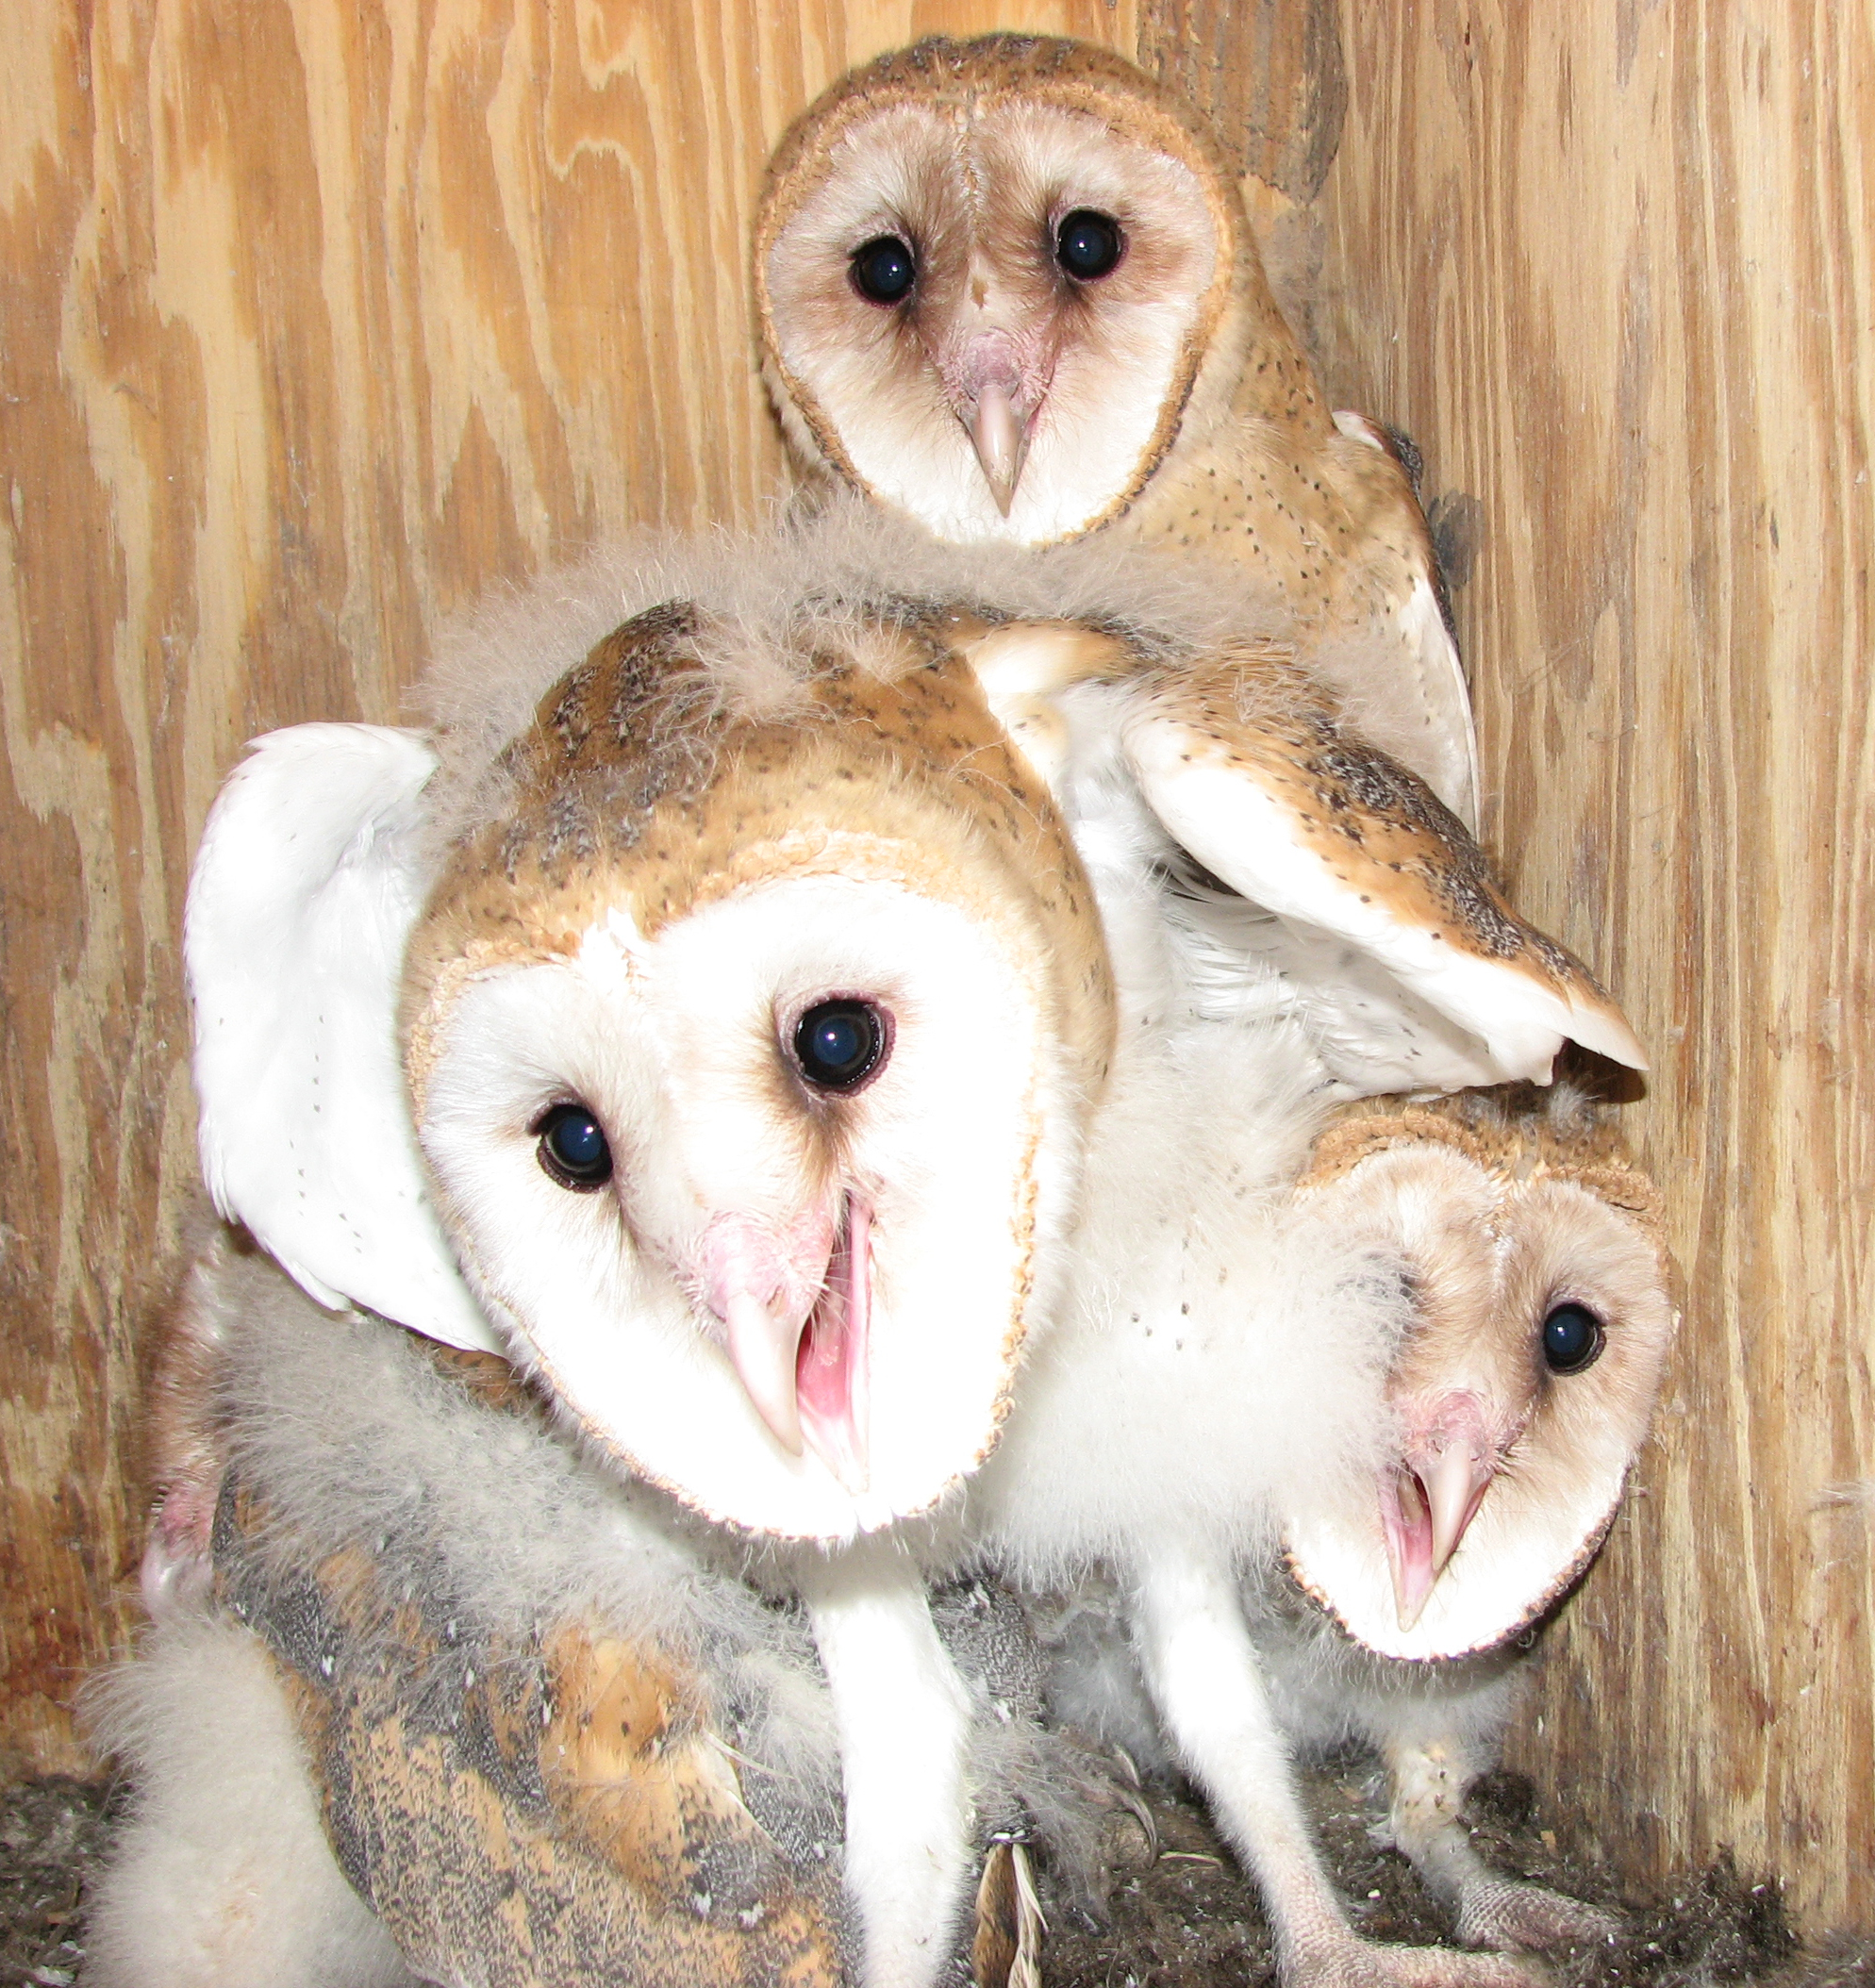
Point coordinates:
[[1509, 1913], [178, 1566], [1351, 1961]]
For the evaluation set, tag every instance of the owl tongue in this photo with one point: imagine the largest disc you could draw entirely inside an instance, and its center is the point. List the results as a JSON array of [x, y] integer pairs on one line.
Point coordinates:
[[830, 1369], [794, 1305]]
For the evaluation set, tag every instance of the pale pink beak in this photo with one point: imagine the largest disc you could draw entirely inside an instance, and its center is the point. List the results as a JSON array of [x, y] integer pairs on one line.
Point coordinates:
[[984, 383], [1001, 438], [1430, 1498], [795, 1308]]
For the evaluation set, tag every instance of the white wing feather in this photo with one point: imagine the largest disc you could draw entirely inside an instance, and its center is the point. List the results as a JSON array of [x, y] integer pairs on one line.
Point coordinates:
[[304, 890], [1372, 1034]]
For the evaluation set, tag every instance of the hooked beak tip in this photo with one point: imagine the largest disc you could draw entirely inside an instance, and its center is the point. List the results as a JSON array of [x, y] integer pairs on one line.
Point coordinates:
[[1001, 438], [762, 1350], [1434, 1500]]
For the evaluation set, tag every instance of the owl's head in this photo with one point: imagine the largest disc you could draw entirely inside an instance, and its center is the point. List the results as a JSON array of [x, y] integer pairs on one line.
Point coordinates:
[[746, 1048], [1536, 1281], [993, 279]]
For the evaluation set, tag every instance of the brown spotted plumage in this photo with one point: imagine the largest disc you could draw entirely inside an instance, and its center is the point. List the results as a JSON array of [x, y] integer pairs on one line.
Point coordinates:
[[1246, 763], [1000, 395]]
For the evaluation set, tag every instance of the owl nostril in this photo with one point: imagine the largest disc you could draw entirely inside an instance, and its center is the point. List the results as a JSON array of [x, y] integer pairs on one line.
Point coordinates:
[[990, 361]]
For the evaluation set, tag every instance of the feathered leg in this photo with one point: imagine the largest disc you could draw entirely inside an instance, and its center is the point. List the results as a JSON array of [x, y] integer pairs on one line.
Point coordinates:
[[1429, 1770], [903, 1716], [222, 1878], [1206, 1678]]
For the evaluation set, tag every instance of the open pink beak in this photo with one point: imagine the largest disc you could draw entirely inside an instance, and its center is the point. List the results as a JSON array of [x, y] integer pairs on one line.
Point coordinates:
[[796, 1312], [830, 1365], [1429, 1498]]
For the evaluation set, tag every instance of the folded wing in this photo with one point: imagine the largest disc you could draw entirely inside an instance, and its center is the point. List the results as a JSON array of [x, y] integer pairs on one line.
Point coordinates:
[[304, 890]]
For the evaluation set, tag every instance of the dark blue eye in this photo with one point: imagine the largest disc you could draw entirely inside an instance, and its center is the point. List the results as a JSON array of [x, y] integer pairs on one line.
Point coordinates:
[[838, 1044], [1088, 246], [573, 1149], [1573, 1337], [885, 270]]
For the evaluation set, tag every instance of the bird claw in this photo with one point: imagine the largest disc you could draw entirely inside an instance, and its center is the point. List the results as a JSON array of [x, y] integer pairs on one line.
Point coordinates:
[[1136, 1806], [1509, 1914]]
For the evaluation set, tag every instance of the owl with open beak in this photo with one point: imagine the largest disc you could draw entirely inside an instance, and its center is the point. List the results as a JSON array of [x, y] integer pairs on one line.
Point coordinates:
[[712, 1037], [1008, 288], [1351, 1385]]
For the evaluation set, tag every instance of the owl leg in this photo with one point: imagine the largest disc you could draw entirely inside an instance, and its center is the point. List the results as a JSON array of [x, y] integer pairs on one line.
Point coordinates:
[[222, 1878], [904, 1716], [187, 1451], [1208, 1680], [1428, 1773]]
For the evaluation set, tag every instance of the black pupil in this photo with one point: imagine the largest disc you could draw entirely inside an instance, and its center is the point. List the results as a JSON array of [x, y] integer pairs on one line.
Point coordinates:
[[884, 271], [1572, 1337], [1088, 245], [574, 1148], [837, 1043]]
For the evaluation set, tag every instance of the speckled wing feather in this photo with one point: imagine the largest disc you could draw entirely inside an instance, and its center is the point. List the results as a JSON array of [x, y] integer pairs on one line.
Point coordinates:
[[304, 889], [522, 1809], [1415, 604], [1248, 773], [1320, 861]]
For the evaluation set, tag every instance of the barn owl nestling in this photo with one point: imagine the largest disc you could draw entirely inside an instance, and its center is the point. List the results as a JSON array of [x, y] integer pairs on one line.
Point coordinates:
[[1534, 1258], [1336, 1450], [1412, 1346], [1008, 286], [716, 1045]]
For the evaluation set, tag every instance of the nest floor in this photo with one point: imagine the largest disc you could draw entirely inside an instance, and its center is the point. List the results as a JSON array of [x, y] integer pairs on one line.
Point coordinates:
[[1189, 1920]]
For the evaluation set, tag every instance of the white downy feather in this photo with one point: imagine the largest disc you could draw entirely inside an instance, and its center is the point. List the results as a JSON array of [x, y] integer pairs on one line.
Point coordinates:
[[221, 1876]]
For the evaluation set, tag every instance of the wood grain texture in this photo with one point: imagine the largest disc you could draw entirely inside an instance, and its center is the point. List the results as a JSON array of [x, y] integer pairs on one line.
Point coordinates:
[[1613, 269], [1269, 73], [319, 318]]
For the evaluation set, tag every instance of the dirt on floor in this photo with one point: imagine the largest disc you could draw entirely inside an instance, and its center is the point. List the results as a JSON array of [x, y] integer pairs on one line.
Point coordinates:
[[52, 1837], [1191, 1918], [1187, 1920]]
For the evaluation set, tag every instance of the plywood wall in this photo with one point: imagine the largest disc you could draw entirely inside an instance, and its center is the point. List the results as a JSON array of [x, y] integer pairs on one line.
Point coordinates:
[[1614, 268], [319, 316]]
